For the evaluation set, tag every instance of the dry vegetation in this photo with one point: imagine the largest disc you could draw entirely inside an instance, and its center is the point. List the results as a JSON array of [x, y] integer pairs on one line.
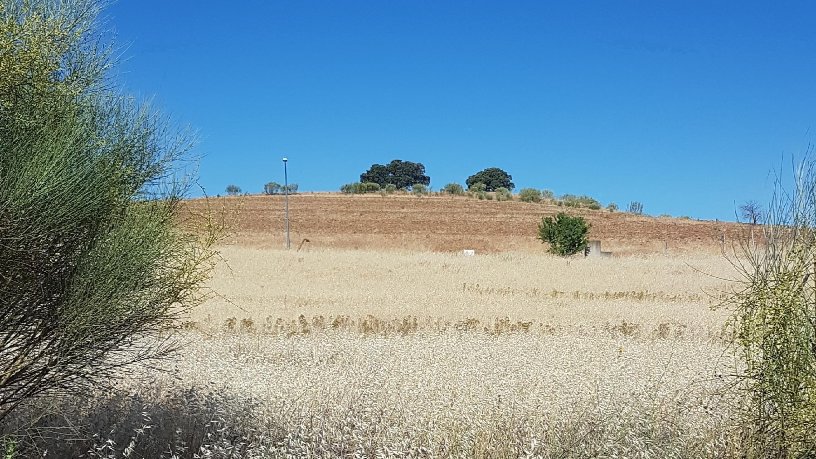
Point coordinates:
[[447, 223], [376, 353]]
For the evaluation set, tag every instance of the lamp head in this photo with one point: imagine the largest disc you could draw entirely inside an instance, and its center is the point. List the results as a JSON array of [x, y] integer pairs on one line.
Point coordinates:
[[285, 159]]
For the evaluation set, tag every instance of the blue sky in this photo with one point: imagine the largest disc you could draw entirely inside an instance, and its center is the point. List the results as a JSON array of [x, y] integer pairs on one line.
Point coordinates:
[[688, 107]]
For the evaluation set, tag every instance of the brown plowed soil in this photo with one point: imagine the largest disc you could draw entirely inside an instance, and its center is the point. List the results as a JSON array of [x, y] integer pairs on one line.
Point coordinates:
[[443, 223]]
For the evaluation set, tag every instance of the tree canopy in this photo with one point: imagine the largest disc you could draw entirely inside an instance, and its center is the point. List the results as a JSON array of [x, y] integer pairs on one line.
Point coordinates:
[[402, 174], [493, 178]]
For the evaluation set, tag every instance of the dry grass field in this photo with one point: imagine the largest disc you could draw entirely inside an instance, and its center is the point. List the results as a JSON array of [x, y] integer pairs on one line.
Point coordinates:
[[384, 350], [446, 224]]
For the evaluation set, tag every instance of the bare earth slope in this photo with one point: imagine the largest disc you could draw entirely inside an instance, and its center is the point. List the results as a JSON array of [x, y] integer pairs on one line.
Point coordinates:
[[443, 223]]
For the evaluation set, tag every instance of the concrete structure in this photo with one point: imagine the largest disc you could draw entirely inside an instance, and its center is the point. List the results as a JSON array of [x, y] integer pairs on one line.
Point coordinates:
[[594, 250]]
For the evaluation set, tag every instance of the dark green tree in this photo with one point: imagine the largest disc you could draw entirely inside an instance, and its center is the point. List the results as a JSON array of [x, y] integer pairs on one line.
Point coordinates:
[[402, 174], [233, 190], [567, 235], [493, 178]]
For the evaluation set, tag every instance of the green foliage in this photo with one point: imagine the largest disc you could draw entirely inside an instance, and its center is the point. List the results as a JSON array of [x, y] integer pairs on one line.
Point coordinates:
[[454, 189], [390, 188], [530, 195], [547, 194], [503, 194], [273, 188], [566, 234], [292, 188], [360, 188], [774, 324], [612, 207], [419, 189], [493, 178], [233, 190], [635, 207], [96, 269], [401, 174], [588, 202]]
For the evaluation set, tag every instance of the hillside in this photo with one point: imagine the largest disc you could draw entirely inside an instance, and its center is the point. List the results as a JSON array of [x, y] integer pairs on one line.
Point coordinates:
[[442, 223]]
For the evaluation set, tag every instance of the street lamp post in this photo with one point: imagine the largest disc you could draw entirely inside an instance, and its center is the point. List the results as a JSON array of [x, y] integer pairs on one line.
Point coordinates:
[[286, 198]]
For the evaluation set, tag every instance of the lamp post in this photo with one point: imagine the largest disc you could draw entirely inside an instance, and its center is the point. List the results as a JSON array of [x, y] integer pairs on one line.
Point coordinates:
[[286, 198]]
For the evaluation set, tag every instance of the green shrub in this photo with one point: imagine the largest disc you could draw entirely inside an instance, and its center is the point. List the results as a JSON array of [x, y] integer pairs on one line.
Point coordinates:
[[419, 189], [96, 269], [390, 188], [503, 194], [547, 194], [774, 324], [454, 189], [570, 200], [233, 190], [273, 188], [530, 195], [612, 207], [566, 234], [360, 188]]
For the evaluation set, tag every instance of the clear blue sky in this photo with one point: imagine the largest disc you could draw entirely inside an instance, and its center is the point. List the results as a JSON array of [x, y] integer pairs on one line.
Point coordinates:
[[685, 106]]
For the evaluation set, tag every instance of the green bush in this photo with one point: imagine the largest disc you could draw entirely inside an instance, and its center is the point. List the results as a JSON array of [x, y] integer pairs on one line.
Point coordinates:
[[96, 269], [454, 189], [530, 195], [774, 325], [570, 200], [233, 190], [419, 189], [547, 194], [566, 235], [503, 194], [612, 207], [390, 188], [360, 188]]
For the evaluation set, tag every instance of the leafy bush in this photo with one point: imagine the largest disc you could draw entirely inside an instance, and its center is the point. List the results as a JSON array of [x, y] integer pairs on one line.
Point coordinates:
[[360, 188], [233, 190], [503, 194], [95, 268], [292, 188], [493, 178], [530, 195], [454, 189], [273, 188], [612, 207], [566, 235], [419, 189], [477, 187], [774, 324], [390, 188], [547, 194], [588, 202], [636, 208]]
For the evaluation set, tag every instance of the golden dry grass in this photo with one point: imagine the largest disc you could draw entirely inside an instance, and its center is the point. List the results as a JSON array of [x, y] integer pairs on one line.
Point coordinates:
[[341, 353]]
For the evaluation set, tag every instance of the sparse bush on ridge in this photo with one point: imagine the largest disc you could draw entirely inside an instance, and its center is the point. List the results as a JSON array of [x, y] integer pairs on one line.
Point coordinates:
[[419, 189], [233, 190], [454, 189], [503, 194], [530, 195], [360, 188], [636, 208], [612, 207]]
